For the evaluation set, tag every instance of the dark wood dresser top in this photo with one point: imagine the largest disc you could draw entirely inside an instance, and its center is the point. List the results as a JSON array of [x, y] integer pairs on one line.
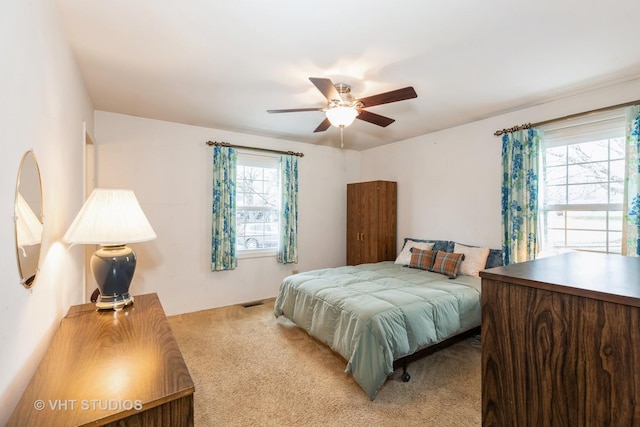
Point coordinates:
[[100, 364], [606, 277]]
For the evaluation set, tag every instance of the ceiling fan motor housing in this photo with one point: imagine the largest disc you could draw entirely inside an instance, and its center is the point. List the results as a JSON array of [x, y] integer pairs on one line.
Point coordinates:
[[345, 93]]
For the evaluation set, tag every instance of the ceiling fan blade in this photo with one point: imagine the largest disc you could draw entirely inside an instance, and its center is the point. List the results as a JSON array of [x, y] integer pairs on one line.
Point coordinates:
[[327, 88], [387, 97], [374, 118], [323, 126], [294, 110]]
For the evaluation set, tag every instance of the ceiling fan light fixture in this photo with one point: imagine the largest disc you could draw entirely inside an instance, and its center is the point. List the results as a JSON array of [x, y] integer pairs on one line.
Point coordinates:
[[341, 116]]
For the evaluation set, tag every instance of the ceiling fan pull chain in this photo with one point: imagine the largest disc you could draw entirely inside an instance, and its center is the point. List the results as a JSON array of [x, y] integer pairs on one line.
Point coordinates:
[[341, 137]]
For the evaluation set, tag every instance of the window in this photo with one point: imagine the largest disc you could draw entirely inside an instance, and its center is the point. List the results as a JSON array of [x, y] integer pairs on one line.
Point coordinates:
[[583, 183], [257, 205]]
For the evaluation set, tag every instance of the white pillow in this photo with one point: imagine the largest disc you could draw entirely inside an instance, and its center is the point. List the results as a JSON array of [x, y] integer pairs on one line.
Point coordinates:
[[475, 259], [405, 255]]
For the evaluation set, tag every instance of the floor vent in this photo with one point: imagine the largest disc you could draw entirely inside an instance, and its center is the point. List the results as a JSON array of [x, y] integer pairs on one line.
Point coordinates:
[[252, 304]]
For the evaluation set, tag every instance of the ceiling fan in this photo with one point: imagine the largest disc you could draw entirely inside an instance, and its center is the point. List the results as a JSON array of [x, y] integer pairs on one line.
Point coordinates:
[[343, 108]]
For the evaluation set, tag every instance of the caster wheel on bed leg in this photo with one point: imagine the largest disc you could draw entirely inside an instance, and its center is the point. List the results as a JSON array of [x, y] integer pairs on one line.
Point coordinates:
[[406, 377]]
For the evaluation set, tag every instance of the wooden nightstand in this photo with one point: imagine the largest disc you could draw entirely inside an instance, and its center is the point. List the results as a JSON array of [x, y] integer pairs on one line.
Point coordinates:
[[110, 368]]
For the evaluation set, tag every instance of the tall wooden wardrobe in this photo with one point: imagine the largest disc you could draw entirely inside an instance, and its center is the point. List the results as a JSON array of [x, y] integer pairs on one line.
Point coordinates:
[[371, 222]]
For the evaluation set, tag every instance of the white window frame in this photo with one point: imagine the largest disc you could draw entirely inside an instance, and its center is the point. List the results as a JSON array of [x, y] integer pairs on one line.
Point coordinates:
[[265, 161], [604, 126]]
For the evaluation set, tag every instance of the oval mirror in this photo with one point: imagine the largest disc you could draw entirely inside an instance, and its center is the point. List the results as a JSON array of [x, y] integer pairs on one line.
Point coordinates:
[[28, 218]]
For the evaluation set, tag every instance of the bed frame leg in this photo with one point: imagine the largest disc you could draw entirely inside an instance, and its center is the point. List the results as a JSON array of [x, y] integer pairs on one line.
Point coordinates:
[[405, 375]]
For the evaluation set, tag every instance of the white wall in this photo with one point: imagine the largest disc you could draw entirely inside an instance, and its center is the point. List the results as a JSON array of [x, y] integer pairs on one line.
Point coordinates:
[[42, 107], [169, 167], [449, 181]]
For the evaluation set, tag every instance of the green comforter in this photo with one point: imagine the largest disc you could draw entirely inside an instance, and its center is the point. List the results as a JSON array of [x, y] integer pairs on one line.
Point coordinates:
[[373, 314]]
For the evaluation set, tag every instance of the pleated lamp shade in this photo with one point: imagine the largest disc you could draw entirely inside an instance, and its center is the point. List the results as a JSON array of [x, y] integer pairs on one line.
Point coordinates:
[[110, 217], [28, 225]]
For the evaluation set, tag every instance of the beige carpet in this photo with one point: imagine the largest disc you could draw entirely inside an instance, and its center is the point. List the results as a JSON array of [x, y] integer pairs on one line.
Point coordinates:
[[251, 369]]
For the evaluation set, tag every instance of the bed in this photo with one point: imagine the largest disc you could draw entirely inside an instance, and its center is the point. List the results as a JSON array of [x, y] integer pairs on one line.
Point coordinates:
[[375, 314]]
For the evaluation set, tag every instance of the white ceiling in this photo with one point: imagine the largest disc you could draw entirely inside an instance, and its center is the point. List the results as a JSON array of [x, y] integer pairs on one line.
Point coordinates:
[[223, 63]]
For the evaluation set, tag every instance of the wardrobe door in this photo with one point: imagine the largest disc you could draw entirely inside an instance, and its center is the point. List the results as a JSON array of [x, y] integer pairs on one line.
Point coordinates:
[[355, 209], [386, 219], [369, 231]]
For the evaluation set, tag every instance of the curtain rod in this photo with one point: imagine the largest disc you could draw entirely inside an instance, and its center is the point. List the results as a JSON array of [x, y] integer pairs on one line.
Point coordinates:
[[226, 144], [570, 116]]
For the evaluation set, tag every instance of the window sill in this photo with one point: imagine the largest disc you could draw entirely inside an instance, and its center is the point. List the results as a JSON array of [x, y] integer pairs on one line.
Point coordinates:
[[257, 253]]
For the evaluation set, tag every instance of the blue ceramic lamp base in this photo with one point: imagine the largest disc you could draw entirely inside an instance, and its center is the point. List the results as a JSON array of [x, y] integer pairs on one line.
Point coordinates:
[[113, 268]]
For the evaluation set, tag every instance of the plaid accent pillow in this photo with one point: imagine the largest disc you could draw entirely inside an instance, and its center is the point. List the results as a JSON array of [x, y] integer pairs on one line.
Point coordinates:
[[447, 263], [422, 259]]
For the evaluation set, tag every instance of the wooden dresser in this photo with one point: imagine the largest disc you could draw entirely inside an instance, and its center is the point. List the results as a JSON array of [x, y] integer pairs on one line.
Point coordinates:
[[371, 222], [118, 368], [561, 342]]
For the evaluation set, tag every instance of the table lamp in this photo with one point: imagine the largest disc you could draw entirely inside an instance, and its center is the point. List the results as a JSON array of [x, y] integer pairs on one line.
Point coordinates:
[[111, 218]]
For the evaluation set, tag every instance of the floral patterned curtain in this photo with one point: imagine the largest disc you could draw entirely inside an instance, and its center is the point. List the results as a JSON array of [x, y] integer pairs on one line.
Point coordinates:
[[520, 159], [288, 248], [631, 206], [223, 236]]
